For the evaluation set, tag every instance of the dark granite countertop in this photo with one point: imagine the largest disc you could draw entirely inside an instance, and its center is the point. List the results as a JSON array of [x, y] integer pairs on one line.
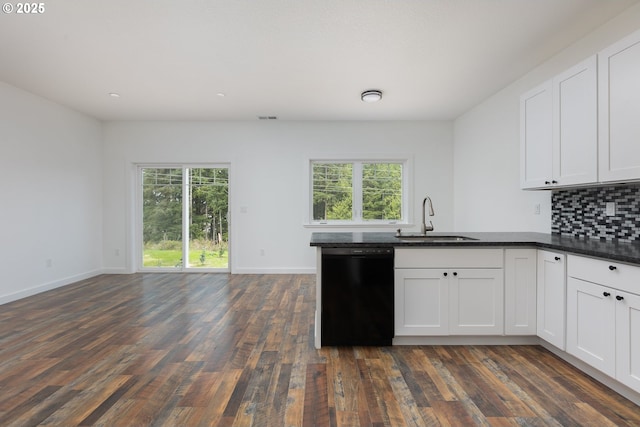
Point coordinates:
[[616, 251]]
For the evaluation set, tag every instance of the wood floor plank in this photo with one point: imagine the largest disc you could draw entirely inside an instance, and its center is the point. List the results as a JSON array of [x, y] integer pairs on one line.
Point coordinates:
[[516, 407], [369, 396], [94, 415], [452, 414], [467, 407], [497, 369], [402, 392], [549, 395], [412, 377], [585, 388], [316, 406], [222, 350], [391, 413], [503, 422], [214, 411]]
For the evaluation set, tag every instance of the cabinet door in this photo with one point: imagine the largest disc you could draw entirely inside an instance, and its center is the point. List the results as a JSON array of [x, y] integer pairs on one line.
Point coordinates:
[[520, 291], [536, 137], [476, 301], [628, 340], [551, 286], [575, 131], [421, 302], [619, 103], [591, 324]]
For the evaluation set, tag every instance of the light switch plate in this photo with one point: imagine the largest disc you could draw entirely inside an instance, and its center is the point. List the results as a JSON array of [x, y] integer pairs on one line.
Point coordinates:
[[611, 208]]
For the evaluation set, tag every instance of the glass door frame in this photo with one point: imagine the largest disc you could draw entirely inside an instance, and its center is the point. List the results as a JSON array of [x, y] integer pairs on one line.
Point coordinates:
[[139, 218]]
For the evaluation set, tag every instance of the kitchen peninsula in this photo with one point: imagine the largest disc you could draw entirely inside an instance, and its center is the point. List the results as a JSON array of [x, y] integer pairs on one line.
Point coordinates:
[[577, 297]]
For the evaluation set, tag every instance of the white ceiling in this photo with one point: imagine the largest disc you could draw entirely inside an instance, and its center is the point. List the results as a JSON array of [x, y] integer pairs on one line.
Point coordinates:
[[295, 59]]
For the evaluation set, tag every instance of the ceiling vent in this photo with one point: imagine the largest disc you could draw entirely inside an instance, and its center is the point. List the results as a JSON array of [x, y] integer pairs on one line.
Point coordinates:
[[267, 117]]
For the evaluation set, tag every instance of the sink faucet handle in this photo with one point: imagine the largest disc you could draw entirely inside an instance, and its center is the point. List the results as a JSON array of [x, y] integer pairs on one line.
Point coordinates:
[[430, 227]]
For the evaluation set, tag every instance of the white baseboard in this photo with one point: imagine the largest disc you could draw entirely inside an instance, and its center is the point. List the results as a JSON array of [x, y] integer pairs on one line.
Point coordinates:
[[48, 286], [467, 340], [116, 270], [273, 271]]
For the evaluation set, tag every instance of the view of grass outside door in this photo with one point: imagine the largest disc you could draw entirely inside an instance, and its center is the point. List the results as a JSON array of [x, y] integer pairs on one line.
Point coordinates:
[[179, 202]]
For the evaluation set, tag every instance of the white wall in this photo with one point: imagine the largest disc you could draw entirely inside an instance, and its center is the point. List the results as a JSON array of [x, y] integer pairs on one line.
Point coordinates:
[[65, 172], [51, 191], [268, 178], [486, 153]]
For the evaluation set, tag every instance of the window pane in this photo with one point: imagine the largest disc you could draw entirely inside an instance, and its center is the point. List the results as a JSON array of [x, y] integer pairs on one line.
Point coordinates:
[[162, 217], [208, 226], [332, 191], [381, 191]]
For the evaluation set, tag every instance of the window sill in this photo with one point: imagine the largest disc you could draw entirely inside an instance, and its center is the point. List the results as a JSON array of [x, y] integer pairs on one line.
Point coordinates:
[[393, 226]]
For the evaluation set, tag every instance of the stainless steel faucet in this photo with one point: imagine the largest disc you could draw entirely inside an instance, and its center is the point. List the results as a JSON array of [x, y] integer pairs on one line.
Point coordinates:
[[425, 228]]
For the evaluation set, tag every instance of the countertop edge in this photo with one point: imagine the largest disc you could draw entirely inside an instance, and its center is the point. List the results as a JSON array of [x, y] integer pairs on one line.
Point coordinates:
[[621, 252]]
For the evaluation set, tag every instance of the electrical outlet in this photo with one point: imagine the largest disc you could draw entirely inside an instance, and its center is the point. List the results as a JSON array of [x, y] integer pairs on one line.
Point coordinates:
[[611, 209], [49, 263], [536, 209]]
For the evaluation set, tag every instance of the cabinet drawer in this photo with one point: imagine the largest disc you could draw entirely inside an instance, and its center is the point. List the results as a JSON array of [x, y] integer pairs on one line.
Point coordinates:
[[608, 273], [448, 258]]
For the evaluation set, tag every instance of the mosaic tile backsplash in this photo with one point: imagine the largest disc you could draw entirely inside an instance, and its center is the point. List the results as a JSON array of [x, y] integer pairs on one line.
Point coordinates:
[[582, 213]]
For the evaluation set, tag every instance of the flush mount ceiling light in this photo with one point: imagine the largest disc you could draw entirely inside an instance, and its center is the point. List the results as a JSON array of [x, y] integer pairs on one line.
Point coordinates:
[[372, 95], [114, 95]]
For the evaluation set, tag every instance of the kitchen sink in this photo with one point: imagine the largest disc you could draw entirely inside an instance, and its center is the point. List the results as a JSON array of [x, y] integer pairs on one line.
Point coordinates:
[[429, 238]]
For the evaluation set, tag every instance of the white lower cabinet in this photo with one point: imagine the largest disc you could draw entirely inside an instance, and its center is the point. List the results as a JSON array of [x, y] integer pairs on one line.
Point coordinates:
[[421, 302], [476, 301], [628, 340], [551, 287], [449, 292], [591, 324], [520, 291], [603, 319]]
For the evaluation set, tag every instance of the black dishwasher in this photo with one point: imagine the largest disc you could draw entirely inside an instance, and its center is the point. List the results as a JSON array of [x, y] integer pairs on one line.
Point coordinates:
[[357, 296]]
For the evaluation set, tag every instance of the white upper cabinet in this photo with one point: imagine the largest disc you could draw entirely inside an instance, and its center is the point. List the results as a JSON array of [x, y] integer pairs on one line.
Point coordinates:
[[558, 130], [575, 130], [619, 104], [536, 132]]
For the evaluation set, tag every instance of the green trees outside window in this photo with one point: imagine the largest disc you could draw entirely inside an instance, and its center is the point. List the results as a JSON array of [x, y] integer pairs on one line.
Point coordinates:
[[332, 191], [205, 223], [357, 191]]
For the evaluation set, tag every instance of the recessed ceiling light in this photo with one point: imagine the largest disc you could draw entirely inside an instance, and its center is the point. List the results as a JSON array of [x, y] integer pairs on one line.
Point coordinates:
[[114, 95], [372, 95]]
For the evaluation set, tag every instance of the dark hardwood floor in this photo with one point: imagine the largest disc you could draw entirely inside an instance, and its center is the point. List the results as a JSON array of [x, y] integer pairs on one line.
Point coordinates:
[[215, 350]]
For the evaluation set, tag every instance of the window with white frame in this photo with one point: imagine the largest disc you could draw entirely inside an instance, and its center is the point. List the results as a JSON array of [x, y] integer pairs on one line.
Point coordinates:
[[358, 191]]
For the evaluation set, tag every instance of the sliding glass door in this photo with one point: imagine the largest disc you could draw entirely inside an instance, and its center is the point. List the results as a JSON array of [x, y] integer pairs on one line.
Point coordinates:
[[184, 218]]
